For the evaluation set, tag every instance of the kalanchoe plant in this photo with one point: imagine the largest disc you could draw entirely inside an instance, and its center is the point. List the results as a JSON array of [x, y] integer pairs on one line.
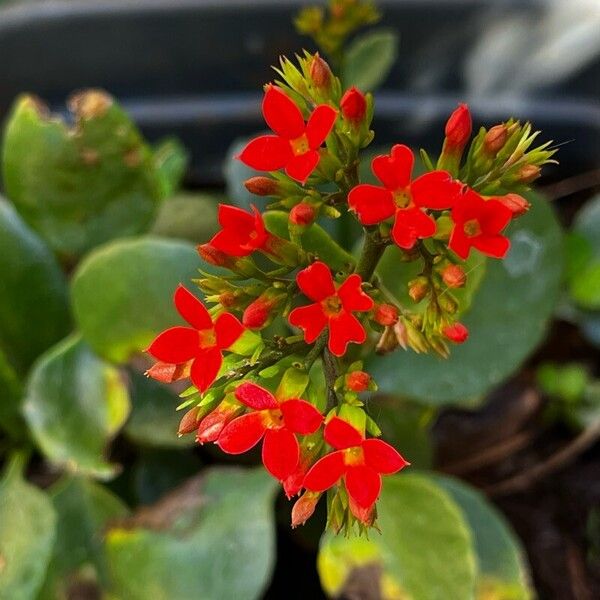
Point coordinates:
[[275, 324]]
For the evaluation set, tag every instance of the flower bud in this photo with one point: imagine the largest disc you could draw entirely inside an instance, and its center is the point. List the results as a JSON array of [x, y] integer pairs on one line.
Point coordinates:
[[167, 373], [447, 304], [302, 214], [365, 515], [358, 381], [211, 426], [385, 314], [353, 105], [418, 288], [454, 276], [517, 204], [243, 266], [189, 422], [495, 139], [260, 312], [528, 173], [304, 508], [228, 299], [262, 186], [387, 342], [456, 333], [458, 128], [320, 73]]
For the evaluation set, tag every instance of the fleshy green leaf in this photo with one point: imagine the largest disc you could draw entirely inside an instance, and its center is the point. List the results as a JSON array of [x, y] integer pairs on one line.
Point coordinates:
[[27, 531], [503, 569], [10, 399], [74, 405], [369, 59], [81, 186], [425, 549], [506, 321], [34, 312], [123, 293], [213, 538]]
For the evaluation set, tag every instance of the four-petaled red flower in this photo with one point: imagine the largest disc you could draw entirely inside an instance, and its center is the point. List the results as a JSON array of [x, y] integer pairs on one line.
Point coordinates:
[[241, 232], [360, 461], [477, 224], [295, 145], [277, 422], [333, 307], [202, 343], [402, 197]]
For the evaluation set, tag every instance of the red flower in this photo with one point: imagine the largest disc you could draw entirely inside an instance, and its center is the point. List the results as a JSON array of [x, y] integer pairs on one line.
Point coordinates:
[[277, 422], [360, 461], [402, 197], [477, 224], [201, 343], [456, 333], [295, 145], [242, 232], [333, 307]]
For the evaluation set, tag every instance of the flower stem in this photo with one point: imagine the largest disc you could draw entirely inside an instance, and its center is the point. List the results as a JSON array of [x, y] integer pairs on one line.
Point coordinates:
[[373, 248]]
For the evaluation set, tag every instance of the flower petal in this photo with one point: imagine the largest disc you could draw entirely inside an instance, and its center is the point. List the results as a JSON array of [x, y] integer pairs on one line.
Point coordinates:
[[301, 416], [363, 485], [233, 217], [280, 453], [255, 396], [382, 457], [242, 433], [325, 473], [311, 319], [459, 242], [175, 345], [371, 203], [352, 295], [395, 170], [192, 309], [205, 368], [266, 153], [496, 216], [281, 113], [436, 190], [341, 435], [227, 329], [495, 246], [410, 225], [300, 167], [320, 124], [343, 329], [316, 281]]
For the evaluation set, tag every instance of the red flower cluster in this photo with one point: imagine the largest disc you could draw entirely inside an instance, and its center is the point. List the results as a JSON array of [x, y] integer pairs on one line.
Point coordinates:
[[332, 307], [295, 145], [201, 344]]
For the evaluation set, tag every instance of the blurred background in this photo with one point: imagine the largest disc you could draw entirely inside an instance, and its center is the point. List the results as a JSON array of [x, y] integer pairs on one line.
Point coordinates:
[[111, 497]]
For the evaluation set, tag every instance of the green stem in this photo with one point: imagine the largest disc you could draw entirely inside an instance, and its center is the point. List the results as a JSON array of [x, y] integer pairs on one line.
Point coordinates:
[[373, 248], [331, 374], [317, 349]]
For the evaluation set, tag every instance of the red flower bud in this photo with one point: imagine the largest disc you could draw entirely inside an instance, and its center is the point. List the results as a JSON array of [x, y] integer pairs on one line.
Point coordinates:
[[320, 73], [211, 426], [353, 105], [189, 422], [529, 173], [495, 139], [259, 312], [458, 128], [304, 508], [208, 253], [262, 186], [302, 214], [454, 276], [358, 381], [517, 204], [457, 333], [228, 299], [418, 288], [385, 314], [168, 373]]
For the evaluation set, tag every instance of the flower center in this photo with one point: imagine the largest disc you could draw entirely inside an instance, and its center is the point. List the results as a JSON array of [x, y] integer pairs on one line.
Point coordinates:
[[472, 228], [207, 338], [332, 305], [354, 456], [403, 198], [300, 145], [274, 418]]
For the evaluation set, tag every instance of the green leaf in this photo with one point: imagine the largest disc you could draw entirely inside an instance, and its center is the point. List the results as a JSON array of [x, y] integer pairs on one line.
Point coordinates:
[[587, 223], [503, 568], [84, 508], [34, 312], [585, 286], [81, 186], [170, 161], [27, 530], [507, 320], [213, 538], [74, 405], [190, 217], [314, 239], [10, 400], [122, 293], [425, 547], [369, 59], [154, 420]]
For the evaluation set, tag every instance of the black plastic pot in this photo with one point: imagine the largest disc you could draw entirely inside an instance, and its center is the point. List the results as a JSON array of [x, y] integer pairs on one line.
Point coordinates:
[[195, 68]]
